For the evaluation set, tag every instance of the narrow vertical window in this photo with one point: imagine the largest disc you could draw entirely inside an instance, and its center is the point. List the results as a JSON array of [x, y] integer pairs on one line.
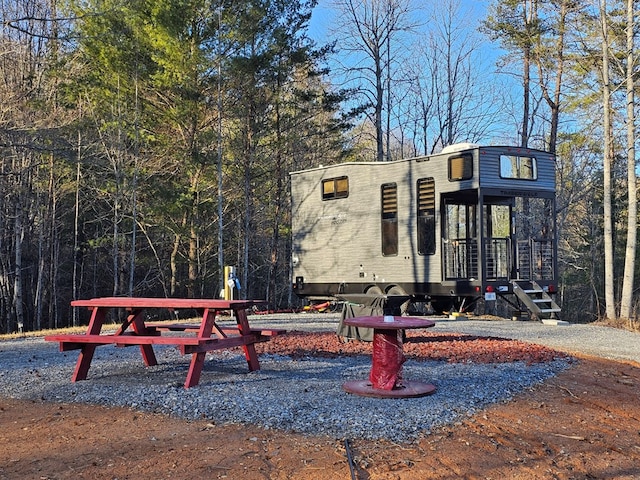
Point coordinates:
[[426, 216], [389, 209]]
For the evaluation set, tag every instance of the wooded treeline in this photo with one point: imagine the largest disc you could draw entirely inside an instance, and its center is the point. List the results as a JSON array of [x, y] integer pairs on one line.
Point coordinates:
[[136, 134], [145, 144]]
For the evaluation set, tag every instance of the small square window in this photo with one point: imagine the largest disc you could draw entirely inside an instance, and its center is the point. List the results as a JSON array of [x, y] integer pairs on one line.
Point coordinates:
[[460, 167], [333, 188]]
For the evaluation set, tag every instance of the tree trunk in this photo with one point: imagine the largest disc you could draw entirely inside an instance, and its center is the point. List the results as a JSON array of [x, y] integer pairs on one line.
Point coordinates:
[[194, 215], [250, 153], [554, 101], [378, 108], [37, 322], [526, 88], [193, 265], [173, 262], [17, 281], [607, 167], [626, 298], [116, 237], [526, 94], [77, 258], [278, 194]]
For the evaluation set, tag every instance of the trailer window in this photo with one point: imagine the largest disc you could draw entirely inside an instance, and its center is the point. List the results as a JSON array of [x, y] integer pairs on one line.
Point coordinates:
[[389, 209], [426, 216], [333, 188], [522, 168], [460, 167]]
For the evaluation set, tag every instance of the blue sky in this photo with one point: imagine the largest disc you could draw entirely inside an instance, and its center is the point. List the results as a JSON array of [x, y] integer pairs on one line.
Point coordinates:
[[471, 13], [323, 13]]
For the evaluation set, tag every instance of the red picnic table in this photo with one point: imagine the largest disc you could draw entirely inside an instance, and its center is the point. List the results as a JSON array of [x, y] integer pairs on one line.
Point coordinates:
[[134, 330]]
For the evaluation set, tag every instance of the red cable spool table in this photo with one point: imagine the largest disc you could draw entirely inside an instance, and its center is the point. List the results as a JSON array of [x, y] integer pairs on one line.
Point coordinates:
[[385, 378]]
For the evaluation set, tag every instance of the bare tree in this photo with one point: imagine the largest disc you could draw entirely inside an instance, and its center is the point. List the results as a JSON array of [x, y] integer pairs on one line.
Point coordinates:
[[369, 34], [516, 24], [29, 136], [450, 97], [549, 54]]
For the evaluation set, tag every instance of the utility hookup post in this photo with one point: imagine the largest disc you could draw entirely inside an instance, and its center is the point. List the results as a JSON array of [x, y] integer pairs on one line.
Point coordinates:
[[231, 284]]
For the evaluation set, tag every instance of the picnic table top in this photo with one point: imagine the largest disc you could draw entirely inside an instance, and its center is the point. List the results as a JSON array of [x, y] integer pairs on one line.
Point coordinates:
[[152, 302]]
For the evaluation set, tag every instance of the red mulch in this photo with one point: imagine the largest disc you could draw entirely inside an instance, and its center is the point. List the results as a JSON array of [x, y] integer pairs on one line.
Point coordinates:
[[449, 347]]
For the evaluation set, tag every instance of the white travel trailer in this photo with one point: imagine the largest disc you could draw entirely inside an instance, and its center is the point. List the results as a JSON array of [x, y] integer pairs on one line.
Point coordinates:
[[470, 222]]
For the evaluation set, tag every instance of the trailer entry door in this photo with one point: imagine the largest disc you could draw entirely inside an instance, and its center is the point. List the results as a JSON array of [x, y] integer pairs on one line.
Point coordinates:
[[497, 235], [460, 242]]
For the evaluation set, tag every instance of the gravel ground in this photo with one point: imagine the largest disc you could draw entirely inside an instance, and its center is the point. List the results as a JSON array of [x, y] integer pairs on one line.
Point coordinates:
[[599, 341], [300, 395]]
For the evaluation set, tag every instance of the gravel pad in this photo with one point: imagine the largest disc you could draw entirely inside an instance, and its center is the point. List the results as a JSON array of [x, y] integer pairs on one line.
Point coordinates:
[[302, 395]]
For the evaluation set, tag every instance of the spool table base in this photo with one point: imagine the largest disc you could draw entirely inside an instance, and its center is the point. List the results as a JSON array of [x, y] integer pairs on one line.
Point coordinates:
[[406, 389]]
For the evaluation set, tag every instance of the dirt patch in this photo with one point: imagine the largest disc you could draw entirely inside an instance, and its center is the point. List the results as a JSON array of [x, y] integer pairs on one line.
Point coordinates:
[[582, 424]]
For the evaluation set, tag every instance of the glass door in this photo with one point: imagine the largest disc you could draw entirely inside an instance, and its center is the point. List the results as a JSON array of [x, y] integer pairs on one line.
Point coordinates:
[[497, 240], [460, 241]]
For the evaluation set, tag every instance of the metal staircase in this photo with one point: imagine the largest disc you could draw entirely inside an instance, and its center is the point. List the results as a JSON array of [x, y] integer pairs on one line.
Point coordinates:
[[537, 301]]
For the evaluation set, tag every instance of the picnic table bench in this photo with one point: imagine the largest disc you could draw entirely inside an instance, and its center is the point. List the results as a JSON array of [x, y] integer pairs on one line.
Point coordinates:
[[195, 339]]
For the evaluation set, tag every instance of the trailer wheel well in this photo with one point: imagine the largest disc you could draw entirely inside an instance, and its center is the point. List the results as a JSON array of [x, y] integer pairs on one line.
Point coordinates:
[[373, 290]]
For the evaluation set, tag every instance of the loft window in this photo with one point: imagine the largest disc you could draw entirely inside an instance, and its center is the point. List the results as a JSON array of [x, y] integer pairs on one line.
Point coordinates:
[[521, 168], [426, 216], [460, 167], [389, 214], [333, 188]]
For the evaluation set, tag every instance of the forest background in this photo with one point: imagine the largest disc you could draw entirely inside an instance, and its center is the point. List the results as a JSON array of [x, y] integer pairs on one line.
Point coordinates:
[[145, 144]]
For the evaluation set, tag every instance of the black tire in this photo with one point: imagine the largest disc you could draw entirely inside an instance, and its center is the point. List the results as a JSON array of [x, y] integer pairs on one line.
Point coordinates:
[[375, 290], [441, 305], [395, 290]]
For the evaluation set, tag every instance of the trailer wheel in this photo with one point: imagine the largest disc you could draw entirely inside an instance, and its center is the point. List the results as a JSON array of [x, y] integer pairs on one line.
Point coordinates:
[[375, 290], [395, 290], [440, 306]]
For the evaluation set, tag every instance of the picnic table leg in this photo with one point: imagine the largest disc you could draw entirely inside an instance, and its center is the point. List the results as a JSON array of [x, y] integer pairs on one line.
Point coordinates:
[[83, 363], [249, 350], [197, 359], [148, 355], [86, 353], [195, 369]]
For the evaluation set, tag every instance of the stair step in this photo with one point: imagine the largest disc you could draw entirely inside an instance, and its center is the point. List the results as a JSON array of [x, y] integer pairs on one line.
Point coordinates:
[[536, 297], [554, 321]]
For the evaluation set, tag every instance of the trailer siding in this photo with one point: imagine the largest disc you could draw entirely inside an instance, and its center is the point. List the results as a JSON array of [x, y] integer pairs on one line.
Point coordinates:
[[338, 241], [489, 174]]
